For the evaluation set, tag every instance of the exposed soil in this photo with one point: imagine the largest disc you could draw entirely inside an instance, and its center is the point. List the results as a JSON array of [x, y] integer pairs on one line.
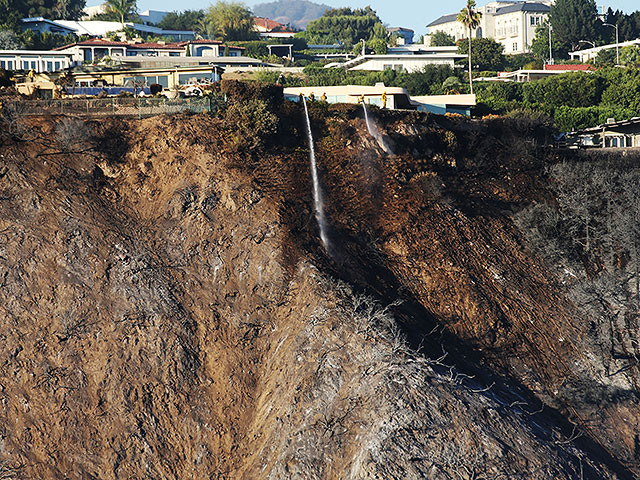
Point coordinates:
[[168, 311]]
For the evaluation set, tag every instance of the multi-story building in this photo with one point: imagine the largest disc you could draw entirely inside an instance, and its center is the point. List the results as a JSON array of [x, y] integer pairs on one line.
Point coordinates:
[[511, 23]]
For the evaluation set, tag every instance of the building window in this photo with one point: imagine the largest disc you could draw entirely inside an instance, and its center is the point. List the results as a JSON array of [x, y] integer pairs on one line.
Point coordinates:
[[533, 21], [515, 46], [49, 66], [57, 65]]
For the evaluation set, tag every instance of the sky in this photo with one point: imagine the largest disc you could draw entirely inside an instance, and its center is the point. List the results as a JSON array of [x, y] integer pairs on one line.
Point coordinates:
[[414, 14]]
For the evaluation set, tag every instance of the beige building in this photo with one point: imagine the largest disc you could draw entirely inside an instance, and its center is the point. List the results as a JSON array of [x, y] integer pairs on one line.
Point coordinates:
[[511, 23]]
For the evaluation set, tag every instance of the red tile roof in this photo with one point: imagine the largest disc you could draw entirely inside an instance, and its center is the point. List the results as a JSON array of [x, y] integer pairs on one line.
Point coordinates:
[[95, 42], [268, 25], [583, 67]]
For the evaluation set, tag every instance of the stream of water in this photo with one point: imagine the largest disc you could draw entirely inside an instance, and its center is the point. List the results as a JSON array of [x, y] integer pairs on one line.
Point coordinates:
[[374, 132], [318, 205]]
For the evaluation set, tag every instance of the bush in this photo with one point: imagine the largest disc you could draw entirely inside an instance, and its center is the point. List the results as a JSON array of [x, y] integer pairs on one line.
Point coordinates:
[[571, 118], [5, 78], [571, 89], [250, 123]]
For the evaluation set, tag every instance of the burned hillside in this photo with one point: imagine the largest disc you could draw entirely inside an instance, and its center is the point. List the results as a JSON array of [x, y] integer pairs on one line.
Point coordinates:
[[170, 312]]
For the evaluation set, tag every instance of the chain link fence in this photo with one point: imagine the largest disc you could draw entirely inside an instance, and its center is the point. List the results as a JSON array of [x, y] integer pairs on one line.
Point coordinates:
[[120, 107]]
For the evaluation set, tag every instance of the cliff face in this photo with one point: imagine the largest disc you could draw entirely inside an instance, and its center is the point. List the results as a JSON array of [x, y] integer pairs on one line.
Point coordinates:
[[168, 311]]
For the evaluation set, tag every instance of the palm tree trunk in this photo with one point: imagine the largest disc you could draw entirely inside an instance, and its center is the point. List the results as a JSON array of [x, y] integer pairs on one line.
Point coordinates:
[[470, 79]]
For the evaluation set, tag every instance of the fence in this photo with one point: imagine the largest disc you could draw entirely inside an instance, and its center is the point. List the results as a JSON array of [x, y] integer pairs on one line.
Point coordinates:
[[109, 107]]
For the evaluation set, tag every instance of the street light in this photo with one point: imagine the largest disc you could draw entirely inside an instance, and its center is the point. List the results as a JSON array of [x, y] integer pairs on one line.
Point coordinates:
[[617, 43], [593, 45], [550, 50]]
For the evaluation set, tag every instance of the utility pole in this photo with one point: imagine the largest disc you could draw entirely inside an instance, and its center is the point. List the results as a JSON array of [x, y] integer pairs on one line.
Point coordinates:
[[617, 42], [550, 49]]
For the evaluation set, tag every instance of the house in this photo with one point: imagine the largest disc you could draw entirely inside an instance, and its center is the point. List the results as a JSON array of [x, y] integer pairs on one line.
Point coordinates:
[[115, 80], [622, 134], [400, 61], [42, 25], [92, 50], [90, 12], [37, 60], [591, 53], [97, 28], [152, 16], [268, 28], [396, 98], [404, 35], [530, 75], [422, 49], [510, 23]]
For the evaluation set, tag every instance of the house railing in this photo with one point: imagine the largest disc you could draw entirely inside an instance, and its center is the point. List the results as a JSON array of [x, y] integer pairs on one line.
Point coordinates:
[[121, 107]]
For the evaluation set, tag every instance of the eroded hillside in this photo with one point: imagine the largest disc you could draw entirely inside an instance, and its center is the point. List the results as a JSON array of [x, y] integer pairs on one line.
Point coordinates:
[[168, 310]]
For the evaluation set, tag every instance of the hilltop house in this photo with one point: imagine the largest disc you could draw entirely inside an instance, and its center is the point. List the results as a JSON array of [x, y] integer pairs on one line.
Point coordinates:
[[37, 60], [100, 29], [622, 134], [396, 98], [404, 36], [529, 75], [591, 53], [268, 28], [94, 49], [410, 58], [510, 23]]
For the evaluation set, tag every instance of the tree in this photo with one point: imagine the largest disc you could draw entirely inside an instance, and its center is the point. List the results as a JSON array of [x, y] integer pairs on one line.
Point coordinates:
[[630, 55], [13, 11], [486, 53], [46, 41], [451, 86], [540, 44], [345, 26], [572, 21], [230, 21], [628, 26], [187, 20], [123, 8], [9, 40], [470, 18], [442, 39]]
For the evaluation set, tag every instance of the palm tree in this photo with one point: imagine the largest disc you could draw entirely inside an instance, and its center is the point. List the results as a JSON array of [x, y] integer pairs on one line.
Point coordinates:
[[123, 8], [470, 18]]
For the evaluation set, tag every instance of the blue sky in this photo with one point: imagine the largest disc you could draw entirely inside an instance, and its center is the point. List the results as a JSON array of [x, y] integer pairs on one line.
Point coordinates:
[[414, 14]]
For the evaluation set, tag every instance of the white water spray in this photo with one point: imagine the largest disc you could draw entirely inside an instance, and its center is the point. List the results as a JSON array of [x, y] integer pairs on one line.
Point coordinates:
[[366, 118], [318, 206], [374, 132]]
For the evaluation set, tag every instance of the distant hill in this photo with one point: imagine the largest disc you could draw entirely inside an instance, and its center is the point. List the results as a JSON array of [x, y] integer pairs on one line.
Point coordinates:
[[297, 13]]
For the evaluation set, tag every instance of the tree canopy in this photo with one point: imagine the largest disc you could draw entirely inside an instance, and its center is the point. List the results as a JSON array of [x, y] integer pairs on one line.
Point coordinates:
[[230, 21], [13, 11], [122, 8], [628, 26], [572, 21], [486, 54], [187, 20], [442, 39], [346, 26]]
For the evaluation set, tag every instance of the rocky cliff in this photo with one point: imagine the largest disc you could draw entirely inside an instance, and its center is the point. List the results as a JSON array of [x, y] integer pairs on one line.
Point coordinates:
[[169, 312]]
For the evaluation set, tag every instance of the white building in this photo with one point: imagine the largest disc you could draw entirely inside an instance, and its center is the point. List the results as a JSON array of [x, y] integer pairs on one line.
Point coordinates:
[[382, 96], [405, 59], [511, 23], [93, 50], [99, 28], [591, 53], [148, 16], [36, 60]]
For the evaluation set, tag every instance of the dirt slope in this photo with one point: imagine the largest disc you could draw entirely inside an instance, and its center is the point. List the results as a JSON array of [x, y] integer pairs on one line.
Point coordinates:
[[167, 311]]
